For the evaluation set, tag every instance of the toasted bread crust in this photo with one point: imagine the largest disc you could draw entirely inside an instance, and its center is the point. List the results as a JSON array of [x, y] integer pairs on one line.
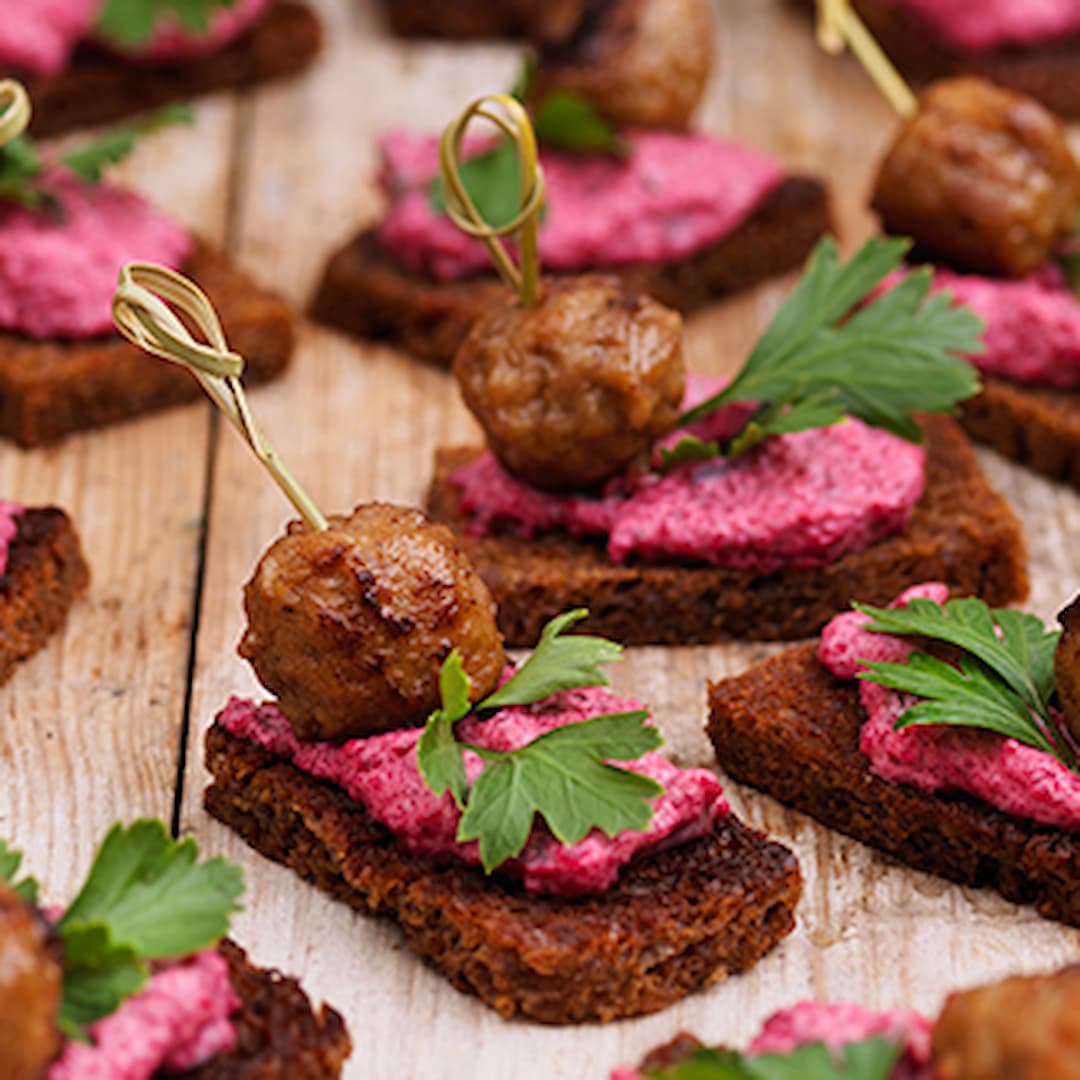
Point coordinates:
[[674, 923], [961, 532], [49, 389], [1035, 426], [791, 729], [97, 87], [462, 19], [279, 1036], [44, 575], [365, 292]]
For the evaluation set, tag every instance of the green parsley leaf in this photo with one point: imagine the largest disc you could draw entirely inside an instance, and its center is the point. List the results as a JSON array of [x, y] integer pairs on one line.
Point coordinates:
[[818, 360], [493, 182], [564, 777], [145, 898], [20, 166], [870, 1059], [438, 753], [88, 162], [565, 121], [10, 861], [559, 662], [99, 975], [132, 22], [1005, 676]]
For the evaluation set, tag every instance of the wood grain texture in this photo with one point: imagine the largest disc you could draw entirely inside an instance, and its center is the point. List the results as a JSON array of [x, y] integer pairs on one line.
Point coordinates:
[[90, 728]]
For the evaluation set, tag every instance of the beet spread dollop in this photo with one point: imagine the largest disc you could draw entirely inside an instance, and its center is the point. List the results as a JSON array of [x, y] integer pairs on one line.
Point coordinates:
[[178, 1021], [672, 196], [798, 500], [979, 25], [58, 265], [38, 35], [9, 527], [1018, 779], [380, 772], [837, 1026]]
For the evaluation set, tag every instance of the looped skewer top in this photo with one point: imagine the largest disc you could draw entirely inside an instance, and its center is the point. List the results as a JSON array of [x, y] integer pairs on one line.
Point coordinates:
[[838, 26], [143, 316], [15, 110], [514, 122]]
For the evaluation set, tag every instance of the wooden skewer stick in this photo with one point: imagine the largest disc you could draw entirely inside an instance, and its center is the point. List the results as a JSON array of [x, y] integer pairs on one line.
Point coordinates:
[[15, 110], [143, 316], [509, 115], [839, 26]]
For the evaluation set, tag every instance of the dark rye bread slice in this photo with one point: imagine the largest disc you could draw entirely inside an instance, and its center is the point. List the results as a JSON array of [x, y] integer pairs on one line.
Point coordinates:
[[51, 388], [673, 923], [45, 573], [364, 291], [791, 729], [461, 19], [1048, 71], [279, 1036], [961, 532], [98, 87], [1036, 426]]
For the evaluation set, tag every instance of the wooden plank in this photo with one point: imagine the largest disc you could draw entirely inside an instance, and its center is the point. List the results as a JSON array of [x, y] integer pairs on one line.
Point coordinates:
[[90, 727], [358, 422]]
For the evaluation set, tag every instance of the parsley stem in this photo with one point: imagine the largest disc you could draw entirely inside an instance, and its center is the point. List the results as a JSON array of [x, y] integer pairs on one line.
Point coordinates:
[[514, 122], [15, 110], [839, 26], [142, 315]]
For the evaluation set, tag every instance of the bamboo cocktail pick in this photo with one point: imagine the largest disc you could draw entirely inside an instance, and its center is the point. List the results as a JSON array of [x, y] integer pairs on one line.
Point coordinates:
[[142, 314], [840, 27], [15, 110], [509, 115]]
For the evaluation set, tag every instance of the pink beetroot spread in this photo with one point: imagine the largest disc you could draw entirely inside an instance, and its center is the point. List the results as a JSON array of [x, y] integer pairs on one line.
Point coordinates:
[[380, 772], [673, 196], [178, 1021], [1015, 778], [796, 500], [38, 35], [979, 25], [9, 527], [837, 1026], [1032, 330], [171, 41], [58, 266]]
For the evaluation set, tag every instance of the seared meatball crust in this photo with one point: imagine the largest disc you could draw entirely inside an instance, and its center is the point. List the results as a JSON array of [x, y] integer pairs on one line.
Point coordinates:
[[1025, 1028], [576, 388], [349, 627], [30, 988], [641, 63], [981, 178]]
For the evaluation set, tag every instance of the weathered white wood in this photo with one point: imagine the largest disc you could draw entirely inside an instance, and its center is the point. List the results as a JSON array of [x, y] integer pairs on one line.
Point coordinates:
[[358, 422], [90, 727]]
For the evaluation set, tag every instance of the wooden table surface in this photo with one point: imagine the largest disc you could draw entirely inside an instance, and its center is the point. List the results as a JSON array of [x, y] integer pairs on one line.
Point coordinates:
[[107, 722]]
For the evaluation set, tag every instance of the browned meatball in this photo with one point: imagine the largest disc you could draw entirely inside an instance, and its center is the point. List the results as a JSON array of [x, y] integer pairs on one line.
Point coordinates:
[[575, 388], [1067, 666], [642, 63], [1025, 1028], [349, 627], [980, 177], [30, 981]]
